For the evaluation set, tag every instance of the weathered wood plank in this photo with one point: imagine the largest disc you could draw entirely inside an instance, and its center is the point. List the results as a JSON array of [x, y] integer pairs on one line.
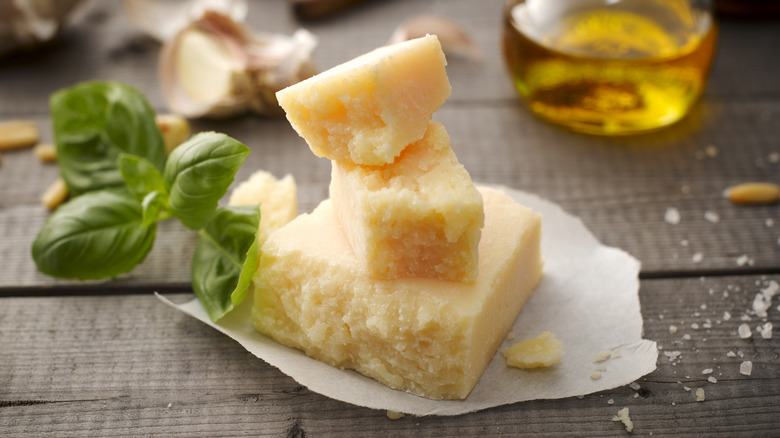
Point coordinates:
[[102, 44], [621, 188], [111, 365]]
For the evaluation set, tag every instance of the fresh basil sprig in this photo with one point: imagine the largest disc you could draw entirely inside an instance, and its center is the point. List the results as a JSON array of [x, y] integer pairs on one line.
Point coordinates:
[[93, 123], [96, 235], [199, 175], [226, 251], [112, 157]]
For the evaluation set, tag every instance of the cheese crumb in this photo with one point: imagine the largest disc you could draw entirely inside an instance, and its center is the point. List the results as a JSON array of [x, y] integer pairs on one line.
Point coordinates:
[[743, 260], [712, 379], [672, 216], [766, 330], [687, 388], [601, 357], [706, 371], [711, 216], [611, 402], [635, 386], [700, 394], [746, 368], [595, 375], [673, 329], [744, 331], [672, 355], [622, 416], [393, 415], [541, 351], [731, 354]]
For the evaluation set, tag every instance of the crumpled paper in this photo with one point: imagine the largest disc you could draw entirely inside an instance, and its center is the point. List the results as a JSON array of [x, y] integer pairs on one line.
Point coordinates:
[[588, 297]]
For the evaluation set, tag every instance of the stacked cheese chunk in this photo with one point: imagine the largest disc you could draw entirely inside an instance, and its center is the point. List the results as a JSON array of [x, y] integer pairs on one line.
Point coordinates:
[[394, 275]]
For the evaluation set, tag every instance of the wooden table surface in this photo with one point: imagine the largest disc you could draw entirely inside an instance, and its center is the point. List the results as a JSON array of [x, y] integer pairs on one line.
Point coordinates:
[[108, 359]]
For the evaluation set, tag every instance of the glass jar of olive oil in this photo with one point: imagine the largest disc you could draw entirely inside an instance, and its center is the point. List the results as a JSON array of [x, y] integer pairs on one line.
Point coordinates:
[[609, 66]]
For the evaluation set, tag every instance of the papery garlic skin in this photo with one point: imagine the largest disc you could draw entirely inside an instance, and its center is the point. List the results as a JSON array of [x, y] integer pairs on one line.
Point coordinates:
[[453, 37], [216, 67], [277, 63], [163, 19]]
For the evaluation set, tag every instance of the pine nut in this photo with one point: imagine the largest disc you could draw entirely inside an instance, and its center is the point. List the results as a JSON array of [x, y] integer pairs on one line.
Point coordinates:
[[17, 134], [55, 194], [754, 193], [46, 152], [175, 130]]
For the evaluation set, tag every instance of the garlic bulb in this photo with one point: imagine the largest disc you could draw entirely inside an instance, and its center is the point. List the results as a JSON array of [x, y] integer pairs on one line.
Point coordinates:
[[162, 19], [25, 24], [216, 67], [453, 38]]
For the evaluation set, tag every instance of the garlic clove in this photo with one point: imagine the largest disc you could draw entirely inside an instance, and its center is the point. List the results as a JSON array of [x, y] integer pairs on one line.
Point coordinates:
[[162, 19], [453, 37], [215, 67], [202, 74]]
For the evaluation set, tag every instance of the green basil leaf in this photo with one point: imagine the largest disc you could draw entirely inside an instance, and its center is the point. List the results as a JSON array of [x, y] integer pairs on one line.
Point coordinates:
[[93, 123], [198, 173], [225, 259], [140, 176], [154, 208], [96, 235]]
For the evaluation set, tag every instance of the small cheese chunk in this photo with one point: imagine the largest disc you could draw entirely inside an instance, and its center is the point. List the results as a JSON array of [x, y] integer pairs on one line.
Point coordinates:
[[367, 110], [278, 199], [542, 351], [431, 337], [418, 217]]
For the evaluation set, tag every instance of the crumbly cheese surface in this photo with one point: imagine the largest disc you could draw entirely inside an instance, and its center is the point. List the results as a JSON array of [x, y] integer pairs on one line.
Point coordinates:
[[367, 110], [420, 216], [431, 337], [278, 199]]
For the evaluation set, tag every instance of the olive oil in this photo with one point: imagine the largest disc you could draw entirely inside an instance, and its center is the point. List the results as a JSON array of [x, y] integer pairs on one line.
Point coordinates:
[[609, 66]]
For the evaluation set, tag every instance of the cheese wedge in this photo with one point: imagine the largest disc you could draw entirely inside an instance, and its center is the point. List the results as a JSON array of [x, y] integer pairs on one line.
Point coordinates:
[[367, 110], [278, 199], [431, 337], [420, 216]]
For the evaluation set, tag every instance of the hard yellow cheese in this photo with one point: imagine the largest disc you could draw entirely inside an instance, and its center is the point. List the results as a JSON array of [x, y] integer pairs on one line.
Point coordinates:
[[278, 199], [420, 216], [367, 110], [431, 337]]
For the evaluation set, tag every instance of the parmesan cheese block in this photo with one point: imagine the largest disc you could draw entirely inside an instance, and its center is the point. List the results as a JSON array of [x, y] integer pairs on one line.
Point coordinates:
[[430, 337], [278, 199], [367, 110], [420, 216]]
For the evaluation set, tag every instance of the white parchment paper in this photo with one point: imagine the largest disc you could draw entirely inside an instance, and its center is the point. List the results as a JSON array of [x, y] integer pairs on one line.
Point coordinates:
[[588, 297]]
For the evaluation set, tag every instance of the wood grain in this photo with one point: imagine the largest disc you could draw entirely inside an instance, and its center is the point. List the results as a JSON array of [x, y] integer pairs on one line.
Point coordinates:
[[107, 359], [621, 188], [111, 365]]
